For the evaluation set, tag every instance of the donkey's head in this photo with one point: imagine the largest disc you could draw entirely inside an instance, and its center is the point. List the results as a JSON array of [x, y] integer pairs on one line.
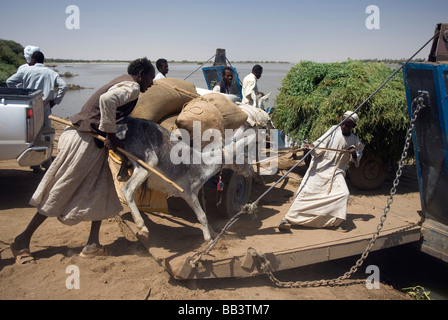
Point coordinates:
[[239, 152]]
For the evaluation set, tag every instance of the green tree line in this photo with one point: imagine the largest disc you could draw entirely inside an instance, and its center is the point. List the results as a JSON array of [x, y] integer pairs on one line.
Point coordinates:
[[11, 57]]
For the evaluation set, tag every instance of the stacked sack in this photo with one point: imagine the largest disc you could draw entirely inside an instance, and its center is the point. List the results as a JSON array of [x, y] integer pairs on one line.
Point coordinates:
[[163, 101], [256, 117], [214, 111]]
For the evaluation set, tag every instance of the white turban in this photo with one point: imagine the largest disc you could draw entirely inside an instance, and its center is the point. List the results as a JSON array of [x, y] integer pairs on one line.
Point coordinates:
[[353, 116], [28, 52]]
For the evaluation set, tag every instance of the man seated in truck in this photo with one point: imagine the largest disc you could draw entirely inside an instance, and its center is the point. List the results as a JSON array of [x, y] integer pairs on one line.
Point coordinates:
[[39, 77]]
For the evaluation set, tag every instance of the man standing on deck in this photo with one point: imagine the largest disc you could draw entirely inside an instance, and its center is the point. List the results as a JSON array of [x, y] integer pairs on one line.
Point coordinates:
[[250, 87], [162, 66], [321, 200]]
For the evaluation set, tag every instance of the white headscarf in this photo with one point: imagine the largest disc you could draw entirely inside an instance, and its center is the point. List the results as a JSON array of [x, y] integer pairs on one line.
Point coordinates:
[[353, 116], [28, 52]]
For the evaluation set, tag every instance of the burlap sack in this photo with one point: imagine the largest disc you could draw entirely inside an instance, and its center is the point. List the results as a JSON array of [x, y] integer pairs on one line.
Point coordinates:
[[162, 99], [256, 116], [232, 115], [200, 110], [169, 122]]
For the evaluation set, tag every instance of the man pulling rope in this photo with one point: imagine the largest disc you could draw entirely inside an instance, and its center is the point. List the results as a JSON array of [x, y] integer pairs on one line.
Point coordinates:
[[321, 200]]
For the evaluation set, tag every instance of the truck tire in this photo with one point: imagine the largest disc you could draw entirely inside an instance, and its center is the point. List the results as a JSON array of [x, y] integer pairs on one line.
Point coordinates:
[[236, 193], [370, 174]]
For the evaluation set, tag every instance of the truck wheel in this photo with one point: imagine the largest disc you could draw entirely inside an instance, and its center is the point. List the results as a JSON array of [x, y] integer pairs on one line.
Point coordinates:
[[236, 193], [370, 174]]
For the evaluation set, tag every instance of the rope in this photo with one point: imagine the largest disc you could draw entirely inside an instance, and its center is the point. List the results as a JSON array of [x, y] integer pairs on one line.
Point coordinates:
[[230, 64], [199, 67], [295, 150]]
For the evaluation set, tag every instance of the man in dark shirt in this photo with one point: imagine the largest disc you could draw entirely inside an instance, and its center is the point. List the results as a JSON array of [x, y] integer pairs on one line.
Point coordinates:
[[225, 84]]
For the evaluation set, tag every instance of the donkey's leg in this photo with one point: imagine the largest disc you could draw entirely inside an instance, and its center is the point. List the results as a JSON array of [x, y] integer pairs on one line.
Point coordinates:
[[194, 203], [138, 177]]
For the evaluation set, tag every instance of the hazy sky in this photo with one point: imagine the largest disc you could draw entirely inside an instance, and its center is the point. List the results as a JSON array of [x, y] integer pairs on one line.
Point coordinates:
[[280, 30]]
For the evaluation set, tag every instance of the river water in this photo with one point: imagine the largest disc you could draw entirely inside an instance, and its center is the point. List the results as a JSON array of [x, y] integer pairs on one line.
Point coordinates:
[[93, 76]]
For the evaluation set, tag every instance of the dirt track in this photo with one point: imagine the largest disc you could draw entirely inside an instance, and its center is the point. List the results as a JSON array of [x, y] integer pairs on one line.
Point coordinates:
[[130, 272]]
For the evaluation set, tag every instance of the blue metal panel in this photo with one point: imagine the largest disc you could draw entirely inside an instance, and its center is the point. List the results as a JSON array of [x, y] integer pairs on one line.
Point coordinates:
[[431, 151], [431, 135], [441, 72], [414, 137]]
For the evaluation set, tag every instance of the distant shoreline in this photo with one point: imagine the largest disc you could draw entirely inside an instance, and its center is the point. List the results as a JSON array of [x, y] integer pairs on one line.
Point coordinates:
[[53, 62], [69, 61]]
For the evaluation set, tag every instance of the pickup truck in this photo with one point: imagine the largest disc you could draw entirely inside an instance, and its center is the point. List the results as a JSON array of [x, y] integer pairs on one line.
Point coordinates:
[[22, 132]]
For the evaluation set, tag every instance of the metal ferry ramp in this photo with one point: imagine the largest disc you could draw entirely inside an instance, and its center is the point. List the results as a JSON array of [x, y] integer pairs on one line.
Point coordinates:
[[176, 236]]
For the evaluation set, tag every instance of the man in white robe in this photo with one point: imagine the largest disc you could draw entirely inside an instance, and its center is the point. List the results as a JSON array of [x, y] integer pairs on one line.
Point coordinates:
[[321, 200]]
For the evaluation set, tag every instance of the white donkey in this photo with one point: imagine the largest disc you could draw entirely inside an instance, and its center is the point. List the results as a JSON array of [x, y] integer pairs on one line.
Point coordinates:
[[152, 143]]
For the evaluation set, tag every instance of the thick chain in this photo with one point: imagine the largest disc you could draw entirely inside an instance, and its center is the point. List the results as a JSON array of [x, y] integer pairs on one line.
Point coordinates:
[[342, 280]]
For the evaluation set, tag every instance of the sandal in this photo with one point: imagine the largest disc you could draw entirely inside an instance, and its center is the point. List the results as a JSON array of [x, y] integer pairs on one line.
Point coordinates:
[[284, 225], [22, 256]]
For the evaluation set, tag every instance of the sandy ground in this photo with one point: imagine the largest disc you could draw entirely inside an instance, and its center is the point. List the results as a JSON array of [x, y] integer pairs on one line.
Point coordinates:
[[130, 272]]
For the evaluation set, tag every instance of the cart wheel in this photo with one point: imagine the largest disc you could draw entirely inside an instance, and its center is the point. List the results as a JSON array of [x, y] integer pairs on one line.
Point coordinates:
[[370, 174], [236, 193]]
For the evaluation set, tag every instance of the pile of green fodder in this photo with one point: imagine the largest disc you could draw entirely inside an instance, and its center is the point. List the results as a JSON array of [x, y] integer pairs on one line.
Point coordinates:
[[314, 96]]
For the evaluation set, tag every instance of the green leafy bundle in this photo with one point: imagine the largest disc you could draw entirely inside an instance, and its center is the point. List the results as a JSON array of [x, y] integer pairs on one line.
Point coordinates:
[[314, 96]]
